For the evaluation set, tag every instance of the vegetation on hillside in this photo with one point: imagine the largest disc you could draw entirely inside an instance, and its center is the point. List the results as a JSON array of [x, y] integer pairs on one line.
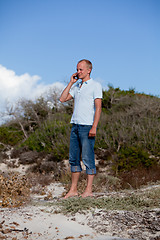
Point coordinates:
[[128, 134], [127, 144]]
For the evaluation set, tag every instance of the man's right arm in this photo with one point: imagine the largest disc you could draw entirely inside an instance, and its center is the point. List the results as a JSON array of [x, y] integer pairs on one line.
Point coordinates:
[[66, 96]]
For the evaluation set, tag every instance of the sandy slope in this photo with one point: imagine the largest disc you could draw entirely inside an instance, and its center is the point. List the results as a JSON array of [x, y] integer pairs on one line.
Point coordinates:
[[38, 221], [33, 223]]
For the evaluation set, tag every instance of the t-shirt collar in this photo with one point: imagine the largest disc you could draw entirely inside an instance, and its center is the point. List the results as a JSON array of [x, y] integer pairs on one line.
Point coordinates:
[[85, 83], [88, 81]]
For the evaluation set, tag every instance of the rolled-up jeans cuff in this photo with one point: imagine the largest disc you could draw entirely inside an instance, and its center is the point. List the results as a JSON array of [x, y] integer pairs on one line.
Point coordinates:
[[91, 171], [76, 169]]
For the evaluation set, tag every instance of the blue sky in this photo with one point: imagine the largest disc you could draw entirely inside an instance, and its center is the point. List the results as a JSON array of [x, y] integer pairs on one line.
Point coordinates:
[[42, 40]]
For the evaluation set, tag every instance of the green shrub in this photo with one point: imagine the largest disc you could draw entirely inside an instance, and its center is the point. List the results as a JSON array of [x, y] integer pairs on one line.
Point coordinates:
[[130, 120], [133, 157], [53, 137], [10, 136], [132, 201]]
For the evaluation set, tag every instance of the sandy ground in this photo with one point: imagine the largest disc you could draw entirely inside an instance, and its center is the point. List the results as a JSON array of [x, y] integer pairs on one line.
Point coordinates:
[[38, 221]]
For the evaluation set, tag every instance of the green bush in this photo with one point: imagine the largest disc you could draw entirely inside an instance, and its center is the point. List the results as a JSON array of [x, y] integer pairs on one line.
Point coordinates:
[[51, 137], [133, 157], [10, 136], [131, 120]]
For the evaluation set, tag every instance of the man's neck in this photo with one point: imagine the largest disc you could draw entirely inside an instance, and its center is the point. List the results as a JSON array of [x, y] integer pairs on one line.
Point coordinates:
[[85, 79]]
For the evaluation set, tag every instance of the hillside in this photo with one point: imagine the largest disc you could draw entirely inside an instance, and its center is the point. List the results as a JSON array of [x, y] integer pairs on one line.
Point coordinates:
[[34, 147], [127, 139]]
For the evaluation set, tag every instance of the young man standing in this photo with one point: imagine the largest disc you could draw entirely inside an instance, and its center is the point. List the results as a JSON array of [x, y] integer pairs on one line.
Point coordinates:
[[87, 96]]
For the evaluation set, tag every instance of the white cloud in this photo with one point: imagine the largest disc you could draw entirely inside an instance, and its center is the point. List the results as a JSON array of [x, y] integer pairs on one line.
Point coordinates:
[[13, 87]]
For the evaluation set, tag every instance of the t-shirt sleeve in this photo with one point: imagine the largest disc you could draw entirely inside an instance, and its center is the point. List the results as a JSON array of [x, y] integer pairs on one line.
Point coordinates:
[[72, 91], [98, 91]]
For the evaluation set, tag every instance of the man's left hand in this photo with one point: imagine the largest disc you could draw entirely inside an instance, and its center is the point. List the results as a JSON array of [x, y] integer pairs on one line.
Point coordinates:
[[92, 132]]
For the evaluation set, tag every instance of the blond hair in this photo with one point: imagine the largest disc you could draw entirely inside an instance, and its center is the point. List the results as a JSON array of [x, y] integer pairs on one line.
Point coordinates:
[[89, 64]]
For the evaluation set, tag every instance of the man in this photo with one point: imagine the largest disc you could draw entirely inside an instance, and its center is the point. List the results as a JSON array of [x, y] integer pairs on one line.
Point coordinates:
[[87, 109]]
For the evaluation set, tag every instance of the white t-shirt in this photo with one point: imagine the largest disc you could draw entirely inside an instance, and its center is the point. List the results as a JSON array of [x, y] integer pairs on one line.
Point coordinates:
[[84, 96]]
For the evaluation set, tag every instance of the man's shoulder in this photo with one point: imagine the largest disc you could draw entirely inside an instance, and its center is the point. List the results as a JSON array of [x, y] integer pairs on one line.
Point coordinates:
[[95, 83], [97, 89]]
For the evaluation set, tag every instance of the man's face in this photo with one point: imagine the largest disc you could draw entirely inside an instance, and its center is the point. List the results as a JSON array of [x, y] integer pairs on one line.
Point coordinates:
[[83, 70]]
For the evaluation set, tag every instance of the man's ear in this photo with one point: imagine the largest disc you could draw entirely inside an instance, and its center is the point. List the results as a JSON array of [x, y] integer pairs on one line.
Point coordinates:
[[89, 70]]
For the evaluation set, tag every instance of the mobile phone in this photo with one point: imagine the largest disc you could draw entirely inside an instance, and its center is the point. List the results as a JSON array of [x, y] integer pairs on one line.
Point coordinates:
[[76, 77]]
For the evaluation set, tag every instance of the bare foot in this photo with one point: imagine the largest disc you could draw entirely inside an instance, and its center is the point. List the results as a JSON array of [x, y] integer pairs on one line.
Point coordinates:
[[71, 194], [87, 194]]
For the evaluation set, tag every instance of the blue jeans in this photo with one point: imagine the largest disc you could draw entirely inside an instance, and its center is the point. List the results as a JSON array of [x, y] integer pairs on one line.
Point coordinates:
[[81, 144]]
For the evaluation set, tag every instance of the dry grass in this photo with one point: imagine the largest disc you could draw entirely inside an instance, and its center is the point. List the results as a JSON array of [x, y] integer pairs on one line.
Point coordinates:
[[104, 182], [139, 177], [14, 190], [38, 182], [101, 183], [40, 179]]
